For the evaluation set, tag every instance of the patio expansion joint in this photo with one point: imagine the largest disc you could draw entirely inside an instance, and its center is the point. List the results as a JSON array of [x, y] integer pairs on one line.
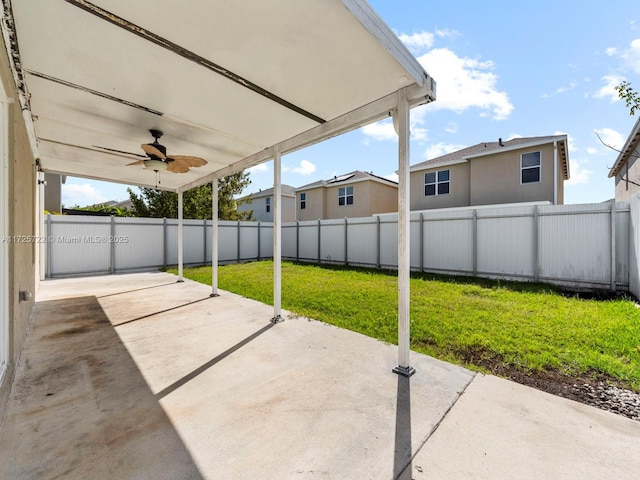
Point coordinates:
[[437, 425]]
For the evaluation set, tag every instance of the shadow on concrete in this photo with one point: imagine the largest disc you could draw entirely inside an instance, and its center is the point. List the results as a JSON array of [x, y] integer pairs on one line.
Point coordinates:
[[402, 452], [136, 290], [80, 407], [174, 386], [142, 317]]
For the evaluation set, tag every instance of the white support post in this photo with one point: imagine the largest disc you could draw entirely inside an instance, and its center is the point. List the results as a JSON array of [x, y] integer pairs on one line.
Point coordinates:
[[401, 119], [214, 238], [180, 232], [277, 237]]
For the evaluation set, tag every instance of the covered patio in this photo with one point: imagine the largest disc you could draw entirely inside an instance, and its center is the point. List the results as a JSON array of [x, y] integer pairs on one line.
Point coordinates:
[[234, 84], [137, 376]]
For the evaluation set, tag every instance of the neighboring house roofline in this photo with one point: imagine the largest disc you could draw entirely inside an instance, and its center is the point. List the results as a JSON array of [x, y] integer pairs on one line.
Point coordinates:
[[628, 150], [490, 148], [356, 176], [287, 191]]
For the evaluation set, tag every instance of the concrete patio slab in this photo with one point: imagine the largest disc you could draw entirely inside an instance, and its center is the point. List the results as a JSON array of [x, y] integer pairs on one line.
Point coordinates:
[[503, 430], [135, 376]]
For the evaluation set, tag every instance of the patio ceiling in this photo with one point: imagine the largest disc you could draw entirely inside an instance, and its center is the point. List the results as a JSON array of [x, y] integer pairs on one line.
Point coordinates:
[[225, 81]]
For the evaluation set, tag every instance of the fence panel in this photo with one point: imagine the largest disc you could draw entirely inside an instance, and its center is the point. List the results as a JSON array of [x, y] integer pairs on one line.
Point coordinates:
[[138, 243], [362, 242], [571, 245], [332, 248], [308, 247], [448, 242], [78, 246]]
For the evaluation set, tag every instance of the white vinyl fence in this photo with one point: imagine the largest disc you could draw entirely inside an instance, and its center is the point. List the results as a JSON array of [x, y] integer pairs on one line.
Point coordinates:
[[580, 246]]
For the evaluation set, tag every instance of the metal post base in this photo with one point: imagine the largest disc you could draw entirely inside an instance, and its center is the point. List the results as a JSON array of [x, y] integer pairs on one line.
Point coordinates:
[[277, 319], [180, 281], [214, 295], [404, 371]]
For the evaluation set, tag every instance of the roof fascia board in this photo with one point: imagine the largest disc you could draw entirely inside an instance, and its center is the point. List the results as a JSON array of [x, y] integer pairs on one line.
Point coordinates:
[[547, 140], [627, 150], [381, 31], [438, 165], [369, 113]]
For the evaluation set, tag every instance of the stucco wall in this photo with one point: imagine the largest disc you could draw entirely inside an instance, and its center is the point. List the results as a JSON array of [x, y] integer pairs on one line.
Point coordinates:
[[625, 190], [314, 204], [458, 195], [259, 207], [495, 179], [21, 220], [369, 197]]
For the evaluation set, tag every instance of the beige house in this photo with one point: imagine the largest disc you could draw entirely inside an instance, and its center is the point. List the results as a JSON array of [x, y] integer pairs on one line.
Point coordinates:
[[356, 194], [262, 204], [520, 170], [626, 170]]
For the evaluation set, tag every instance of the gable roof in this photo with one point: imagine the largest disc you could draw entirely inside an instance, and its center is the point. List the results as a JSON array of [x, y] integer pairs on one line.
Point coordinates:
[[629, 149], [348, 178], [491, 148], [287, 191]]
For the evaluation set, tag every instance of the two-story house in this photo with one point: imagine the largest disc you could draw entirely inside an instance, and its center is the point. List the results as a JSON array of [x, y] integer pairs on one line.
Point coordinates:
[[355, 194], [262, 204], [526, 169], [626, 169]]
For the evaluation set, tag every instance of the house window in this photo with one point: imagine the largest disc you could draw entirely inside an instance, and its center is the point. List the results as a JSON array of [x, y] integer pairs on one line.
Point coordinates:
[[345, 196], [530, 164], [303, 201], [437, 183], [268, 203]]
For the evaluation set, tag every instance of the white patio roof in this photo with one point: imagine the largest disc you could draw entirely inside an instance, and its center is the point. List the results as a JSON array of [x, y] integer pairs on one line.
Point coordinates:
[[225, 81]]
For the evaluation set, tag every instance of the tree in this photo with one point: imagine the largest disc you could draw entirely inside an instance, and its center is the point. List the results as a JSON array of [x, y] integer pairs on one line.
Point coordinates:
[[629, 95], [196, 202]]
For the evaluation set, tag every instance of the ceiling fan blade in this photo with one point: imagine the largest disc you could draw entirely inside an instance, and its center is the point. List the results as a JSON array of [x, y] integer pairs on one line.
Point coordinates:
[[139, 162], [189, 160], [153, 151], [176, 167]]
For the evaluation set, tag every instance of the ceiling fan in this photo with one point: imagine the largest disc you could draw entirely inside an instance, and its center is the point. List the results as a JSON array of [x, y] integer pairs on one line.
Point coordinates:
[[158, 161]]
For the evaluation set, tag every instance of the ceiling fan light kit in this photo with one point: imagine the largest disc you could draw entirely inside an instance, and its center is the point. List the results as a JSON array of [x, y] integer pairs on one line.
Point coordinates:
[[155, 165]]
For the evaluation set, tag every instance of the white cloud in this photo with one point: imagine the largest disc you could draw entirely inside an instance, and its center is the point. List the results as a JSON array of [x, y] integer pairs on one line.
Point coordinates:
[[578, 173], [417, 42], [611, 138], [81, 195], [560, 90], [262, 167], [611, 51], [383, 130], [591, 151], [451, 128], [305, 168], [631, 56], [439, 149], [465, 83], [608, 90]]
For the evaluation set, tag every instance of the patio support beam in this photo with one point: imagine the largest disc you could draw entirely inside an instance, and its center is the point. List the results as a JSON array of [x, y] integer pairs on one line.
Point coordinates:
[[372, 112], [401, 119], [214, 238], [277, 237], [180, 237]]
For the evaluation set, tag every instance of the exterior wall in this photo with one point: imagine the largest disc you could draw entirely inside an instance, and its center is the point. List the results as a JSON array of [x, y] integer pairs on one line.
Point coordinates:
[[626, 190], [459, 188], [495, 179], [21, 175], [314, 204], [369, 197], [259, 207]]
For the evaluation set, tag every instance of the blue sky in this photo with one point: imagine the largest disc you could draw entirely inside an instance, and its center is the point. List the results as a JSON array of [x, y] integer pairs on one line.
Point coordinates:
[[504, 69]]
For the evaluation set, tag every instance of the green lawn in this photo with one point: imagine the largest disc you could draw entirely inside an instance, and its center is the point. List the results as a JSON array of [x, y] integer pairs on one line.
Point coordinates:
[[465, 321]]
